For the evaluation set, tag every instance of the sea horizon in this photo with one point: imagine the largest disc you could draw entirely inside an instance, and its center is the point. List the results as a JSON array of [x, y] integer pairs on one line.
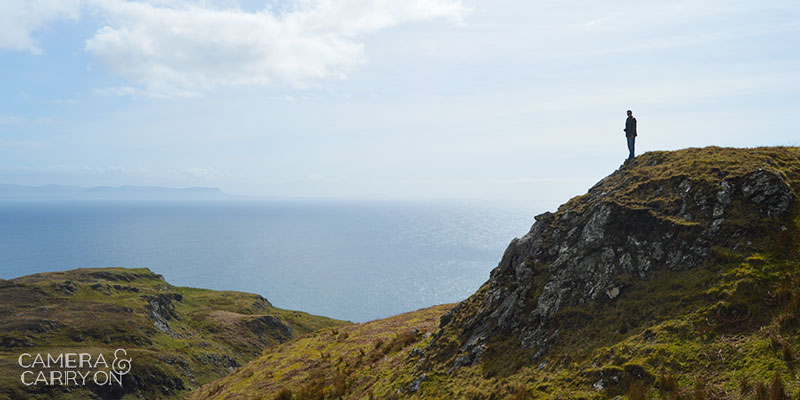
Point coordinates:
[[350, 259]]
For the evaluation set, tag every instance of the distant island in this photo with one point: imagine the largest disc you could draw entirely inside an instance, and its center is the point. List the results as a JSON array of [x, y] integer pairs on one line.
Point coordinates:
[[10, 192]]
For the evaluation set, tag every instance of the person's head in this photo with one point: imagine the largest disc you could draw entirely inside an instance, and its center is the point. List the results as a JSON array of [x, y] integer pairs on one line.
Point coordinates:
[[630, 113]]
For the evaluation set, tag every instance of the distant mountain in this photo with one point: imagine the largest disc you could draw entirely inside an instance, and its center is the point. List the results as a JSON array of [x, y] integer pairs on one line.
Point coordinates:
[[117, 193]]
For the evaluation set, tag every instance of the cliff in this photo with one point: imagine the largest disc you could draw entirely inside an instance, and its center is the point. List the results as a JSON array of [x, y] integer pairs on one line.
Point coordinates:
[[667, 215], [676, 276], [177, 338]]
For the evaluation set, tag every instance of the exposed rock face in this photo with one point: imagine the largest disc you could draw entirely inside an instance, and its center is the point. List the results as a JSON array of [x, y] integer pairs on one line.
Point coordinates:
[[413, 387], [218, 361], [68, 287], [768, 190], [625, 226], [162, 310]]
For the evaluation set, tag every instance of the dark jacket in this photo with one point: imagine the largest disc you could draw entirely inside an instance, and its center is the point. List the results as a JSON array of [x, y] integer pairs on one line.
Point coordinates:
[[630, 127]]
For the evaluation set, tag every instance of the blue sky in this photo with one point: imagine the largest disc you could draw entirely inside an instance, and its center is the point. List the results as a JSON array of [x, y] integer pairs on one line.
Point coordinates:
[[499, 100]]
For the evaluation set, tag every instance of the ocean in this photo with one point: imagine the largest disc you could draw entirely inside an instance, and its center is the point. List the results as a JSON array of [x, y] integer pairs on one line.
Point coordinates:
[[356, 261]]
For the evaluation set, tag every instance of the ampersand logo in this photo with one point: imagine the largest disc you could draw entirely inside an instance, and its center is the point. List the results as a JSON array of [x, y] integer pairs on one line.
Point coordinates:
[[121, 366]]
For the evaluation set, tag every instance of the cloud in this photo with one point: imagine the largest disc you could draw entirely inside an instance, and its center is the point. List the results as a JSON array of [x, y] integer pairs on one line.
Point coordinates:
[[197, 172], [19, 19], [322, 178], [184, 47], [188, 47], [11, 120], [136, 92], [69, 169]]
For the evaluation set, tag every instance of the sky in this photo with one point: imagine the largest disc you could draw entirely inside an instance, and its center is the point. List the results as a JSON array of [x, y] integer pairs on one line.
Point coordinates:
[[520, 101]]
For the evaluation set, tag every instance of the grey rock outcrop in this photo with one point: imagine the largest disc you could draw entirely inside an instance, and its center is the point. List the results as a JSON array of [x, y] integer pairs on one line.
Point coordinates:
[[161, 310], [580, 253]]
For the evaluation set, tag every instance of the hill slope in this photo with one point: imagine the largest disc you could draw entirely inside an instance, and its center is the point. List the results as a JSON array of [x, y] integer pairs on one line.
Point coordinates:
[[338, 362], [676, 276], [177, 338]]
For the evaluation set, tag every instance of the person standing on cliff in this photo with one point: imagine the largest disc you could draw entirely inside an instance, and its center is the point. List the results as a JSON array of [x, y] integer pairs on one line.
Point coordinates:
[[630, 134]]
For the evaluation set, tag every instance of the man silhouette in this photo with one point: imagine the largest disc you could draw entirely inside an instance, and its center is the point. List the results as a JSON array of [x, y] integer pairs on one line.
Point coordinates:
[[630, 133]]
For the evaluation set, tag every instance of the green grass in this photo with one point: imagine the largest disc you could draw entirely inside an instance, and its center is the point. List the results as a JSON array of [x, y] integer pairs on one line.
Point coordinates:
[[351, 361], [100, 309]]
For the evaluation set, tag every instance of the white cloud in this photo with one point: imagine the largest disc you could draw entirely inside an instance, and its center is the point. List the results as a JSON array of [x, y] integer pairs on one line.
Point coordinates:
[[130, 91], [197, 172], [69, 169], [19, 19], [183, 47], [322, 178], [187, 47], [11, 120], [116, 91]]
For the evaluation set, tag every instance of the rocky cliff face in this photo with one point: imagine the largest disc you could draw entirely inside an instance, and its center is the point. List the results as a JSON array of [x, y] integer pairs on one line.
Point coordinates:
[[666, 211]]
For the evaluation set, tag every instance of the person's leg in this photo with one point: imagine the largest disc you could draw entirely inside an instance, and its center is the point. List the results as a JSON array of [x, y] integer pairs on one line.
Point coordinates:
[[628, 140], [631, 145]]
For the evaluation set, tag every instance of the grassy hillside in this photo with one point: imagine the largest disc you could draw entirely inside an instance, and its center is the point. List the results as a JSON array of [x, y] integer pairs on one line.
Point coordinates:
[[346, 361], [177, 337], [676, 277]]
